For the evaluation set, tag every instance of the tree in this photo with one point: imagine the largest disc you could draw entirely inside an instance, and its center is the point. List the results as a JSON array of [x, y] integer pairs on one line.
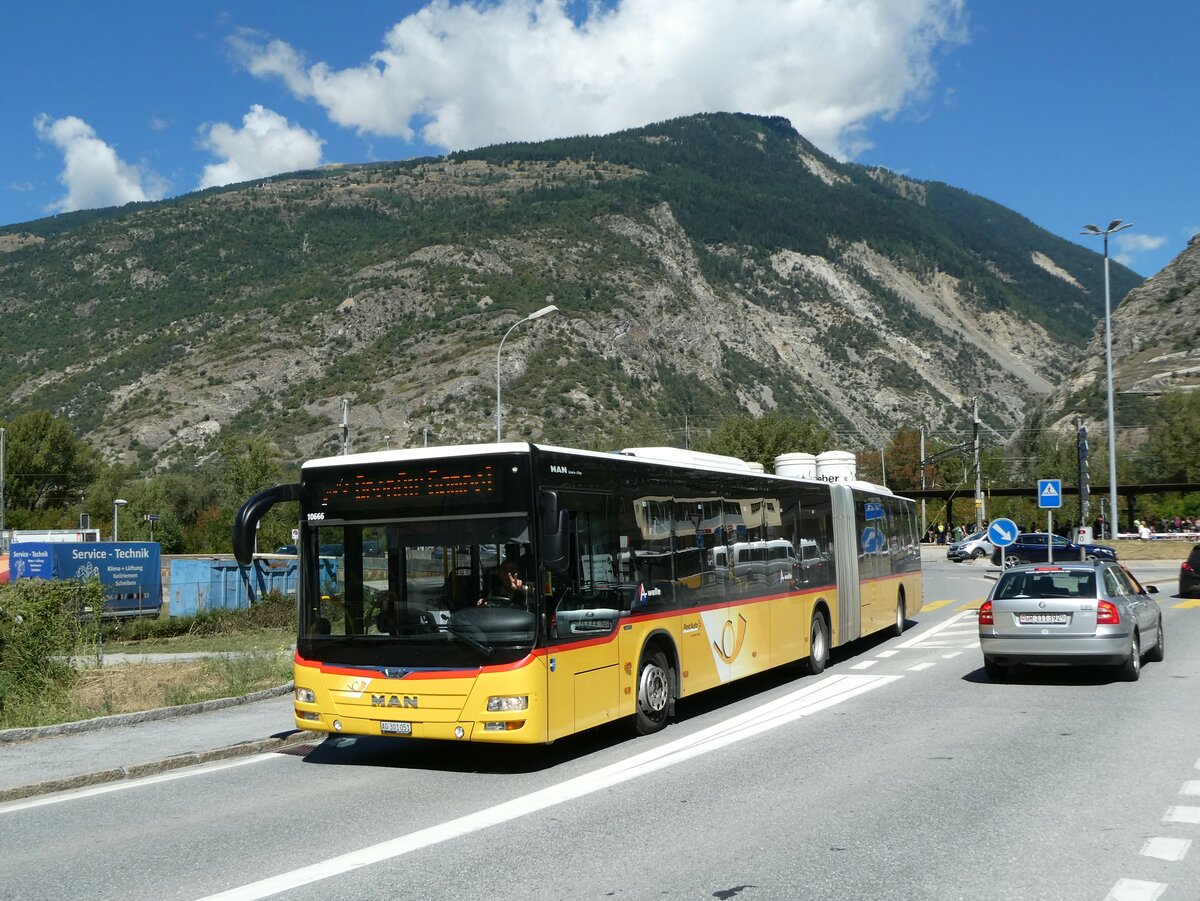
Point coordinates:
[[903, 456], [248, 465], [46, 466], [1175, 437], [761, 439]]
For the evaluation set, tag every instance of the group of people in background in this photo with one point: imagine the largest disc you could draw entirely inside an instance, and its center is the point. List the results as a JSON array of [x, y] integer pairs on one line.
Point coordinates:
[[944, 533], [947, 533]]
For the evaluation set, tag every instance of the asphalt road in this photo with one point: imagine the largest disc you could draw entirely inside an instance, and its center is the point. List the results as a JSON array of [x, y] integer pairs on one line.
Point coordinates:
[[901, 773]]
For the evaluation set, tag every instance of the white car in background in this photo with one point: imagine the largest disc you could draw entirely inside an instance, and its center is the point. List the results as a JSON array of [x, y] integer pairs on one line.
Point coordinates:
[[972, 547]]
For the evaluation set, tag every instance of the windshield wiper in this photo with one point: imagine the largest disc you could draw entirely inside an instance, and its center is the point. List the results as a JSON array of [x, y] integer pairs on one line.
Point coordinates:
[[467, 639]]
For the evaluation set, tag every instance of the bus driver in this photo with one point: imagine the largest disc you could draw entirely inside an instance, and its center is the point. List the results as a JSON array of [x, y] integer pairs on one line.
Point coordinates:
[[510, 588]]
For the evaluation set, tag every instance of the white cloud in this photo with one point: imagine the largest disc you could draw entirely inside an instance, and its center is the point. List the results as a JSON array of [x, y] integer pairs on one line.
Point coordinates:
[[1130, 244], [93, 174], [266, 144], [475, 72]]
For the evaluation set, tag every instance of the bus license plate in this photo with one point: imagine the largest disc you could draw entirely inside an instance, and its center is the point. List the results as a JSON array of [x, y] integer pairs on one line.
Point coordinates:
[[1053, 619], [396, 728]]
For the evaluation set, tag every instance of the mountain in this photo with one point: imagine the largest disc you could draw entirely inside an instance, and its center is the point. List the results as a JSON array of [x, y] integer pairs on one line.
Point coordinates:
[[1155, 345], [703, 266]]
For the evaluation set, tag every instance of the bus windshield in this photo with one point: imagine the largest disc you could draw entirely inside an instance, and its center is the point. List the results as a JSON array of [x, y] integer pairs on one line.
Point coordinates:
[[451, 592]]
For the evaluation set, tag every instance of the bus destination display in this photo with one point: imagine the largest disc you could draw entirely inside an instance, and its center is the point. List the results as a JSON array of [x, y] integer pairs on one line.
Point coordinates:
[[386, 486]]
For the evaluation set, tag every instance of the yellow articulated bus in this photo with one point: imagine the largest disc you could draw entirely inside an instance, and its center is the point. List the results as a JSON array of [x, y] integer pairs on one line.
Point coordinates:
[[521, 593]]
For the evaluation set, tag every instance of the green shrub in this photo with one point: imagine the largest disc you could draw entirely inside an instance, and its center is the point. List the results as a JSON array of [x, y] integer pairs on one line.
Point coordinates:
[[42, 625], [270, 611]]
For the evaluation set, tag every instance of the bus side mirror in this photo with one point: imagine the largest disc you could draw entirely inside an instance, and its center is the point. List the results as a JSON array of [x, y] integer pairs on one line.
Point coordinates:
[[246, 520], [555, 531]]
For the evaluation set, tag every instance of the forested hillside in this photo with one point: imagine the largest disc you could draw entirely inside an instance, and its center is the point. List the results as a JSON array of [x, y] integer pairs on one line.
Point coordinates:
[[703, 267]]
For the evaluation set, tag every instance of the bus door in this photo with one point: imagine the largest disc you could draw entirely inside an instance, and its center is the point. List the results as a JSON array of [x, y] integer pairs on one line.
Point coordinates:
[[584, 607]]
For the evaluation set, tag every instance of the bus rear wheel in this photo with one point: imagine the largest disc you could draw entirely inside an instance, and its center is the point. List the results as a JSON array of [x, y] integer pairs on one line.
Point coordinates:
[[818, 646], [655, 693], [901, 617]]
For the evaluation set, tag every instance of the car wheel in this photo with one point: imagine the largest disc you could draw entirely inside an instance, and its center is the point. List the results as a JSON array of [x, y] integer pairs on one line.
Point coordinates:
[[1011, 560], [977, 553], [1157, 652], [1132, 667], [995, 671], [1092, 558]]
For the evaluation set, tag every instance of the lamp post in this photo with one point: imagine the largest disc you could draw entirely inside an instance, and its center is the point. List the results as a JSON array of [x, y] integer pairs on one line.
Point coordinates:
[[1, 481], [117, 505], [1115, 226], [538, 314]]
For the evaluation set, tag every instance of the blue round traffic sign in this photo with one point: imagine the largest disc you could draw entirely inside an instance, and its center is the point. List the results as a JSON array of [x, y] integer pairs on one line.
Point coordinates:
[[1002, 532]]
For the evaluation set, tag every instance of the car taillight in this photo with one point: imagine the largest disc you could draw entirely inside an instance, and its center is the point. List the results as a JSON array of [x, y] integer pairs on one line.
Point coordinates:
[[1186, 567], [1107, 614], [985, 614]]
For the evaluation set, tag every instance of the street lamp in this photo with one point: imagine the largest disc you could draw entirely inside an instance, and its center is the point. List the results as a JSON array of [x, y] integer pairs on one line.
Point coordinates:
[[544, 311], [117, 505], [1, 481], [1115, 226]]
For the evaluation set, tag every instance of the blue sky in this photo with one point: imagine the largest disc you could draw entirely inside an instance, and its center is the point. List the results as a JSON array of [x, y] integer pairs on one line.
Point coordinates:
[[1066, 113]]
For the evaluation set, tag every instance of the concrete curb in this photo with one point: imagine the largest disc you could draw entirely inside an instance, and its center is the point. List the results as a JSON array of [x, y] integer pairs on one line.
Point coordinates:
[[143, 716], [100, 777]]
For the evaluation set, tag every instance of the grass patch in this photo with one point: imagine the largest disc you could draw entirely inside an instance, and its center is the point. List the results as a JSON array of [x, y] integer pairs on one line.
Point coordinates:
[[1159, 549], [43, 626], [133, 687]]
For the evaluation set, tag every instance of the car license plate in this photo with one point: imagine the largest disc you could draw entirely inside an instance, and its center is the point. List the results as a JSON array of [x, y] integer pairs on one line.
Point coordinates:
[[1041, 619], [396, 728]]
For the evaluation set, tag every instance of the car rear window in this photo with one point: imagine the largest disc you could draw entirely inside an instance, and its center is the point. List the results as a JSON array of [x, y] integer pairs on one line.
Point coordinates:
[[1194, 557], [1057, 584]]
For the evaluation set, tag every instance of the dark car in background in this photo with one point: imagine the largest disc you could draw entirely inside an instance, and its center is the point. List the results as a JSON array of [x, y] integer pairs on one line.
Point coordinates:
[[1189, 575], [1030, 547]]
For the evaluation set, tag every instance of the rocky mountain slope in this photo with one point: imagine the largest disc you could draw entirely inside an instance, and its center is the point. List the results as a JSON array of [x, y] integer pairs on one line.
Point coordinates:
[[1156, 349], [703, 267]]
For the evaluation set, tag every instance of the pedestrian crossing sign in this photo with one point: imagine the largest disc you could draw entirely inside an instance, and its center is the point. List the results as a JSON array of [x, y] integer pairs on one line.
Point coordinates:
[[1050, 493]]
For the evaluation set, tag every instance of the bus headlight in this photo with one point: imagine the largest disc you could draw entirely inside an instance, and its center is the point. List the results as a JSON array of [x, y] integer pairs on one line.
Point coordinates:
[[306, 696], [508, 703]]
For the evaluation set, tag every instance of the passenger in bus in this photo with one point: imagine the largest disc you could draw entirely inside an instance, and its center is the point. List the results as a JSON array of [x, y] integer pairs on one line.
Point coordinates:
[[510, 588]]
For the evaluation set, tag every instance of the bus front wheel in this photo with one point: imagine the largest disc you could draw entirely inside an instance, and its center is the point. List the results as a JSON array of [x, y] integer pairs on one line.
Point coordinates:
[[655, 692]]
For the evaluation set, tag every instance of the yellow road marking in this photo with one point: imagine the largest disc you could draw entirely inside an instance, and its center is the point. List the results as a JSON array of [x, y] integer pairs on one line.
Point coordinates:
[[970, 605], [934, 605], [1195, 603]]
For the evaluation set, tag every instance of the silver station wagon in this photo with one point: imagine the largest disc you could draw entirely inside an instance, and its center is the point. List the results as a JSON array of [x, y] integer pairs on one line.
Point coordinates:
[[1093, 613]]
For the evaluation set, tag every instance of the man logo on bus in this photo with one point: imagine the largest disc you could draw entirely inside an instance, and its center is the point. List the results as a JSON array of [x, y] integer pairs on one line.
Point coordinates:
[[393, 701]]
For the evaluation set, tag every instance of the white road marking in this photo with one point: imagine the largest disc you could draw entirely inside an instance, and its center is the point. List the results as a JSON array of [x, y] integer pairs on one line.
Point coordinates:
[[1182, 815], [917, 667], [952, 655], [972, 644], [864, 664], [887, 653], [934, 630], [1166, 848], [183, 773], [1191, 787], [1135, 890], [828, 692]]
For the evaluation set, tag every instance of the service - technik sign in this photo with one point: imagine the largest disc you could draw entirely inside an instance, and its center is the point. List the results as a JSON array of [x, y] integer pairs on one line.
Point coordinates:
[[130, 571]]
